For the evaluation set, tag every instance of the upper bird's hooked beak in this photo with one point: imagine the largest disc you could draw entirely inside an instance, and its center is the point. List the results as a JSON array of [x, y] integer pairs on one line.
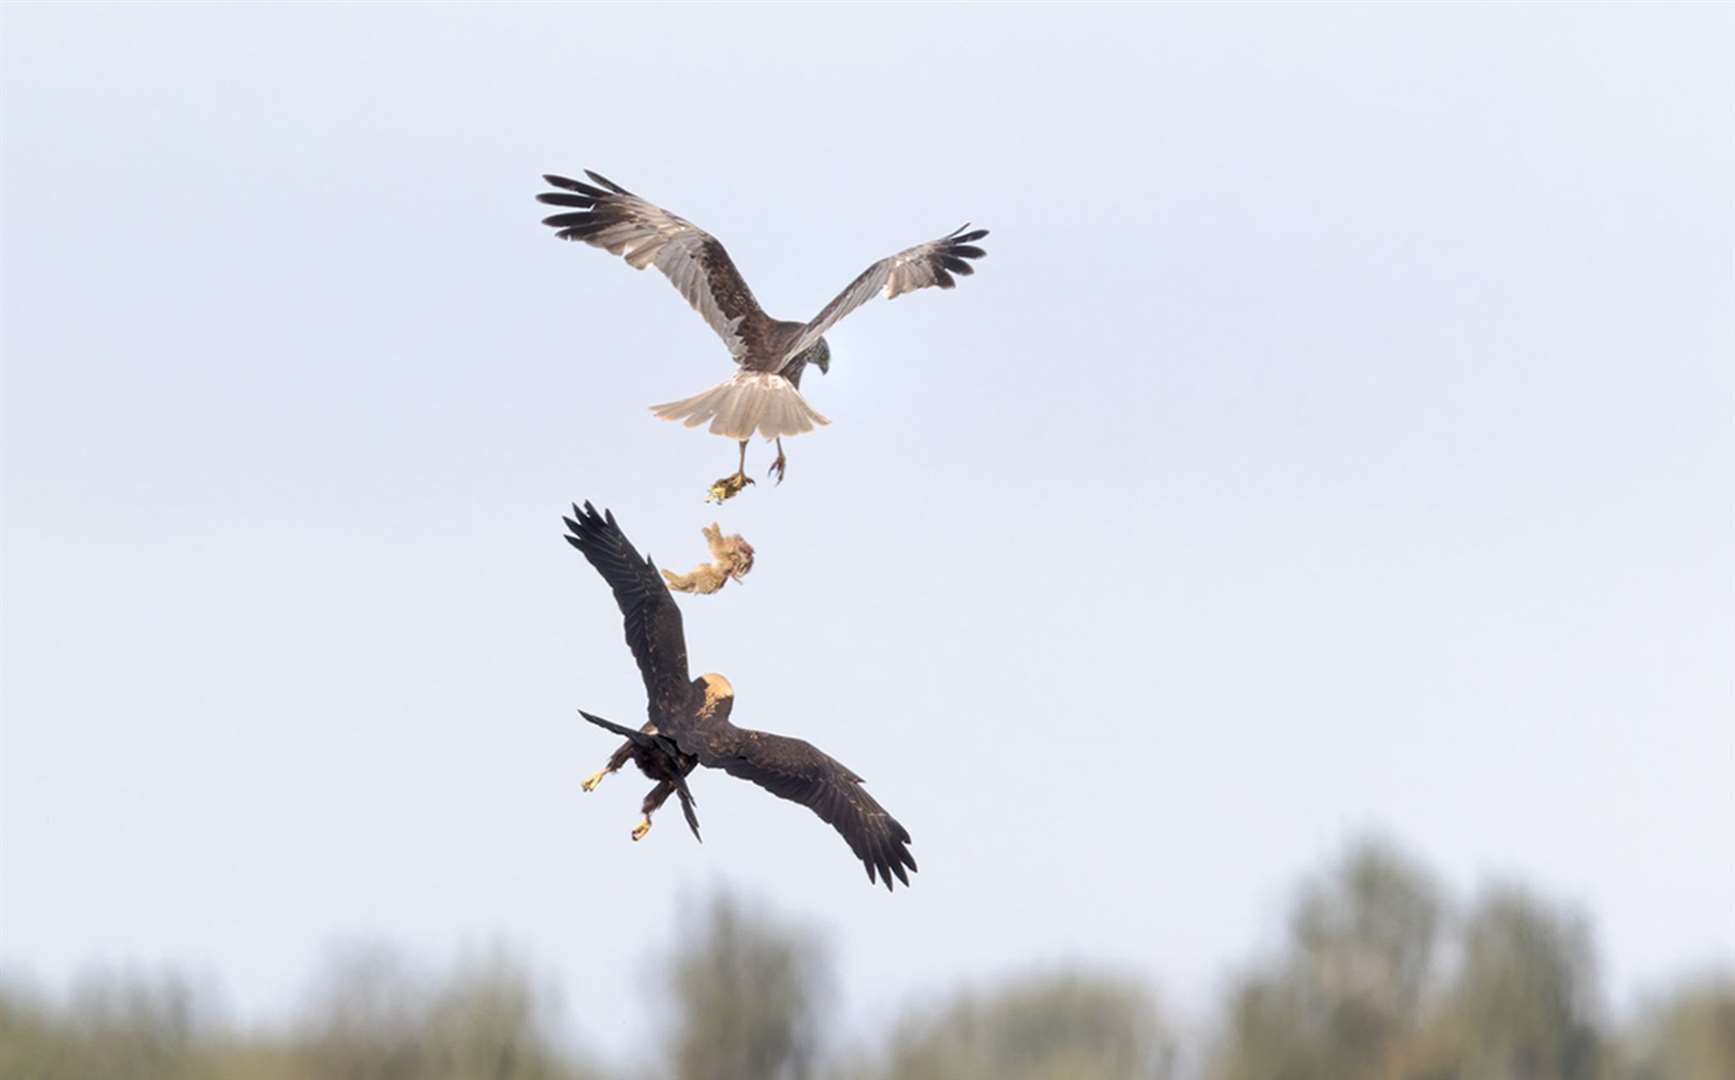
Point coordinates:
[[823, 364]]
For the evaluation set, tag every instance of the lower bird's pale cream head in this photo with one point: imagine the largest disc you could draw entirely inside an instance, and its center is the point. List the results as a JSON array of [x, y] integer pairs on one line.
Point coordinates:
[[717, 689]]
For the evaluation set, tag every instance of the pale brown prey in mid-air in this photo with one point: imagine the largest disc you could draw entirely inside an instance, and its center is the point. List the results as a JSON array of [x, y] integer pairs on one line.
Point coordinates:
[[764, 396], [731, 559], [689, 718]]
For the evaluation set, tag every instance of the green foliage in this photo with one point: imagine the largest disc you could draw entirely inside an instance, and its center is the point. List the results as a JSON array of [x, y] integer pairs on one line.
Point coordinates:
[[1069, 1026], [1344, 999], [1524, 1001], [118, 1026], [1380, 977], [370, 1019], [748, 994], [1691, 1036], [1372, 987]]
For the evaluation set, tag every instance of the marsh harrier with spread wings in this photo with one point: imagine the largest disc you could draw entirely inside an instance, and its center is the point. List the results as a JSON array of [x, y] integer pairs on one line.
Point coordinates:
[[689, 718], [764, 396]]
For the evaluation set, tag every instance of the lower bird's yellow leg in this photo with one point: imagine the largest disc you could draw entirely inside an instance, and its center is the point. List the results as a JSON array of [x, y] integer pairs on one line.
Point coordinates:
[[595, 778], [777, 466], [642, 828], [730, 486]]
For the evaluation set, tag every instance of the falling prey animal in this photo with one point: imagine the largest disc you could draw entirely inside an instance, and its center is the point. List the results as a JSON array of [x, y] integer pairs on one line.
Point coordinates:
[[731, 559], [689, 719], [764, 395]]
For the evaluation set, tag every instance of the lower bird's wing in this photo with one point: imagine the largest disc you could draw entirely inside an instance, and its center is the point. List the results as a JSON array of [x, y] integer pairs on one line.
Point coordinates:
[[653, 622], [800, 772]]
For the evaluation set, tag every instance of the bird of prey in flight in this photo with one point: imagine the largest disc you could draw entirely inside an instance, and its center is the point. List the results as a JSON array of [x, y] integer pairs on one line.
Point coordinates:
[[764, 395], [689, 718]]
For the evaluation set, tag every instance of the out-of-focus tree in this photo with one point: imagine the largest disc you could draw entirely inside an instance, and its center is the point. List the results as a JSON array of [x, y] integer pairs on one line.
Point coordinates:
[[115, 1025], [370, 1019], [750, 996], [33, 1041], [1344, 1001], [1365, 988], [1067, 1026], [491, 1020], [363, 1019], [1524, 1003], [373, 1019], [1691, 1036]]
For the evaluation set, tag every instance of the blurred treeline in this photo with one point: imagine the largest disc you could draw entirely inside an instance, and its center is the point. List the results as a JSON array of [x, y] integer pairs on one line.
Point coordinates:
[[1379, 975]]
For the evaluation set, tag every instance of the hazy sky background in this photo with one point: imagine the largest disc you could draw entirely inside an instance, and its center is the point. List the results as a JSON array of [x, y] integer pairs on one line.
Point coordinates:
[[1337, 437]]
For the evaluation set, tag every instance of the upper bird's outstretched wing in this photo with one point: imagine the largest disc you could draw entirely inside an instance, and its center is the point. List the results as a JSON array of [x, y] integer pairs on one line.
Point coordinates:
[[653, 622], [800, 772], [609, 216], [932, 263]]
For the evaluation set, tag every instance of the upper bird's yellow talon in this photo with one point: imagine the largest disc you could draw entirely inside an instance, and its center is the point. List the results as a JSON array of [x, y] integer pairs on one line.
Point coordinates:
[[727, 488]]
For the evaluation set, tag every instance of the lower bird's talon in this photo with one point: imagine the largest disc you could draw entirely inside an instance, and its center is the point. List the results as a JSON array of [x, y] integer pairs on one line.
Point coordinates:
[[641, 829], [595, 778]]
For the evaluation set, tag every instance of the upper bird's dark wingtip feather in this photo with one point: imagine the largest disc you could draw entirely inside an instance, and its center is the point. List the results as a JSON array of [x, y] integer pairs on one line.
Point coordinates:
[[566, 198], [606, 182]]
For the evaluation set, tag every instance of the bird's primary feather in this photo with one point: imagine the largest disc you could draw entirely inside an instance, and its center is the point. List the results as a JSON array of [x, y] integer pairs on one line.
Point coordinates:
[[695, 262], [914, 268], [653, 622]]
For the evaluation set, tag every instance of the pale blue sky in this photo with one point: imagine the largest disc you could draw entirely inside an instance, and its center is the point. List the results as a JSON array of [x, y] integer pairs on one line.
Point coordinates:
[[1336, 437]]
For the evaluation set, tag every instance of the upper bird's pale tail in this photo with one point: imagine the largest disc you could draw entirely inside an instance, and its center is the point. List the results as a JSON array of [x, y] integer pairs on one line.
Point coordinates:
[[751, 401]]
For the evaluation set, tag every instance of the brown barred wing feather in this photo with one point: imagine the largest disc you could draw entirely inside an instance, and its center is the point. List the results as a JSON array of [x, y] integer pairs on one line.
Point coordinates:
[[932, 263], [606, 215]]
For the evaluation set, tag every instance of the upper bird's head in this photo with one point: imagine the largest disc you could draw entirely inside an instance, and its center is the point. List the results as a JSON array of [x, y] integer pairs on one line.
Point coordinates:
[[822, 357]]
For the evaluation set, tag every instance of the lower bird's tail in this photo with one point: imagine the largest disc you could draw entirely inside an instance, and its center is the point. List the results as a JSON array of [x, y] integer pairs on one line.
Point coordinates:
[[688, 805], [637, 738], [751, 401]]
